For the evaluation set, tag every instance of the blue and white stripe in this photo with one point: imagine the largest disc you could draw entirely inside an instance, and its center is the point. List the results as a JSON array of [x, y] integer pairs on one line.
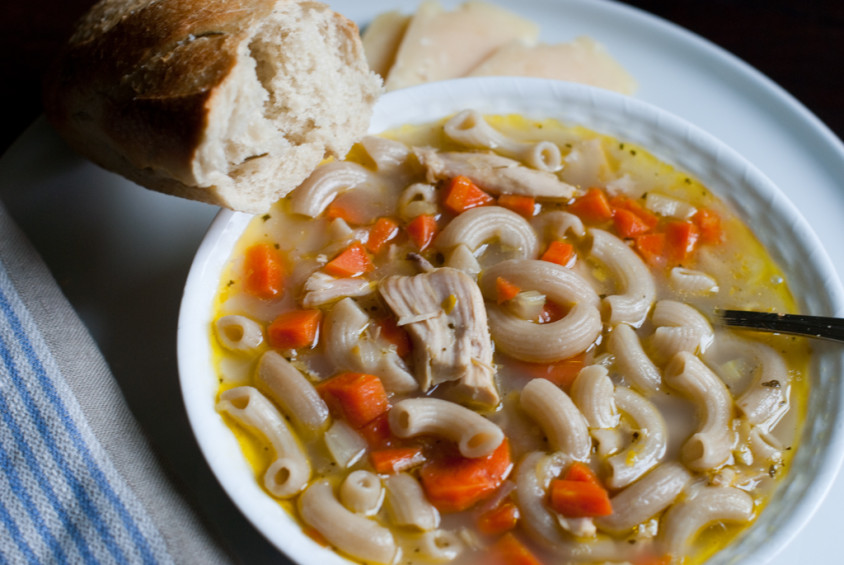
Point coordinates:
[[61, 499]]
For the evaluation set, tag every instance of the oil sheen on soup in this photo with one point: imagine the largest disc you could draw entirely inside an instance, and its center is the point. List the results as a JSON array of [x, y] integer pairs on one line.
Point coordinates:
[[488, 340]]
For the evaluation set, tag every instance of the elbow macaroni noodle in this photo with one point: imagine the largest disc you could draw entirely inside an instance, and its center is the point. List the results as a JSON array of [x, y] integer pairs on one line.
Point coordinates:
[[711, 504], [290, 471], [239, 333], [645, 498], [635, 294], [385, 153], [533, 332], [475, 435], [348, 347], [318, 190], [292, 391], [362, 492], [477, 226], [633, 361], [408, 505], [353, 534], [592, 392], [650, 438], [711, 444], [471, 129], [564, 426], [561, 339]]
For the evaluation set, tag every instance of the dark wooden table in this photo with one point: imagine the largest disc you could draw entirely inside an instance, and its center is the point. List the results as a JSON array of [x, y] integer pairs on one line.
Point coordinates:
[[806, 58]]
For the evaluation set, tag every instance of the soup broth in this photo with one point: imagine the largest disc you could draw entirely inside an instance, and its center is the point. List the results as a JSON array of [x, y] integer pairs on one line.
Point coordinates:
[[490, 337]]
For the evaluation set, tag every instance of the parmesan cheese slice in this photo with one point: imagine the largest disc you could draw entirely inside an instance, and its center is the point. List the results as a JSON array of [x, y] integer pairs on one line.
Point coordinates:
[[381, 40], [582, 60], [440, 45]]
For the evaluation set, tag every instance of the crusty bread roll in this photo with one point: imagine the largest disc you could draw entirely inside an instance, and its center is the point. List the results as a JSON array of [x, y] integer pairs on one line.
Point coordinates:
[[232, 102]]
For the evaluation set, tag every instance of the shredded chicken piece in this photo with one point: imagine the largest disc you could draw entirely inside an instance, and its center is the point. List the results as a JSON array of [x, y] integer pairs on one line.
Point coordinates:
[[443, 312], [494, 173]]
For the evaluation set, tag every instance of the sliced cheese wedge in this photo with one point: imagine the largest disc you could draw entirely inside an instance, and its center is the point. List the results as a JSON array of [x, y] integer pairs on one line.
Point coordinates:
[[440, 45], [582, 60], [381, 40]]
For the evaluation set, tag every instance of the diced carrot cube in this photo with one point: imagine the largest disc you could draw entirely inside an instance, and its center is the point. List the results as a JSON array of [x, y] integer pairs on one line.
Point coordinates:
[[358, 397], [680, 239], [579, 499], [643, 214], [422, 230], [394, 335], [505, 290], [351, 262], [509, 550], [551, 312], [579, 471], [263, 271], [462, 194], [382, 231], [396, 459], [519, 203], [709, 224], [592, 207], [377, 433], [454, 483], [651, 247], [559, 252], [294, 329], [628, 224], [500, 519]]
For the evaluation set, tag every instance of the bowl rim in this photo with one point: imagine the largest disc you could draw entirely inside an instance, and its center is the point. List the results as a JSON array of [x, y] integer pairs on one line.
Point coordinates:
[[622, 117]]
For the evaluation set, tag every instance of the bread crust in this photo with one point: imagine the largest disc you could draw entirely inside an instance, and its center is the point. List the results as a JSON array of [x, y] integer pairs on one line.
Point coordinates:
[[135, 86]]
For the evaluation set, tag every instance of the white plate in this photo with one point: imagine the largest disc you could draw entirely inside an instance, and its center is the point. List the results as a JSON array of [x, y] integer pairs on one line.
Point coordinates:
[[116, 248]]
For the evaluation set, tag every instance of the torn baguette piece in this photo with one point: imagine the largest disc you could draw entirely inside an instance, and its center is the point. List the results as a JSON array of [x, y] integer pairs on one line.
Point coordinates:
[[231, 102]]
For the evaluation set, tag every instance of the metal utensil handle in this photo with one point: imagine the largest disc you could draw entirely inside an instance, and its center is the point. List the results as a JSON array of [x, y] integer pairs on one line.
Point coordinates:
[[796, 324]]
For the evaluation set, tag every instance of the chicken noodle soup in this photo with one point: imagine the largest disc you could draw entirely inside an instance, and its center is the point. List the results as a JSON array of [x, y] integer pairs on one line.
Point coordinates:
[[491, 336]]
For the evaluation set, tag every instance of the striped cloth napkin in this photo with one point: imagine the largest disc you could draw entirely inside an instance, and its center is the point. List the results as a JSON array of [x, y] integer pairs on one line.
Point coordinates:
[[78, 481]]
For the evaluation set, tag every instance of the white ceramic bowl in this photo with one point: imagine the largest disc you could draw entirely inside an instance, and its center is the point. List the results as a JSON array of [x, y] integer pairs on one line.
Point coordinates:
[[761, 205]]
